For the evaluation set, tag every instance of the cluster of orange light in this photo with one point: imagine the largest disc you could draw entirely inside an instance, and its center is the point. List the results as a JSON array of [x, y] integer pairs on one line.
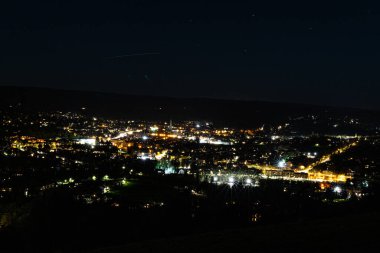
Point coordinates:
[[122, 144], [324, 186], [327, 176], [163, 135], [26, 141], [30, 139]]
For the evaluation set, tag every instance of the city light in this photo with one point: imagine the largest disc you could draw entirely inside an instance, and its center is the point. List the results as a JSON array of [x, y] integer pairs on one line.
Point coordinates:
[[88, 141], [153, 128], [337, 189], [281, 163], [206, 126]]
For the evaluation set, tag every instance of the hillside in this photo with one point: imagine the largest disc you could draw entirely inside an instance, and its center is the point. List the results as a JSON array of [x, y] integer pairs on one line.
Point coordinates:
[[226, 112]]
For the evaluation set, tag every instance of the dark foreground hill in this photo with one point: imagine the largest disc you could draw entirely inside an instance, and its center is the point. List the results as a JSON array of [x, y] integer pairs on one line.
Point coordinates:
[[356, 233], [227, 112]]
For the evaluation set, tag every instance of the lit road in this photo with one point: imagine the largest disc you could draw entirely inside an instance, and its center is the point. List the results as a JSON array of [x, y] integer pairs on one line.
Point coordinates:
[[325, 176], [326, 158]]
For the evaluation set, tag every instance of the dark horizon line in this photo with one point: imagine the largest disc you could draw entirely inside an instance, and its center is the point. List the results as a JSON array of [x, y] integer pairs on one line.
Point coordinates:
[[192, 97]]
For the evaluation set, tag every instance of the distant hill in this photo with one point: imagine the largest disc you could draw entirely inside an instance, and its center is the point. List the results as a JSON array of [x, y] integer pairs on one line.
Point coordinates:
[[227, 112]]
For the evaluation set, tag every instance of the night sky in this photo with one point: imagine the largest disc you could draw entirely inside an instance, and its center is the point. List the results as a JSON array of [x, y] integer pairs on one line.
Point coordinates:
[[320, 52]]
